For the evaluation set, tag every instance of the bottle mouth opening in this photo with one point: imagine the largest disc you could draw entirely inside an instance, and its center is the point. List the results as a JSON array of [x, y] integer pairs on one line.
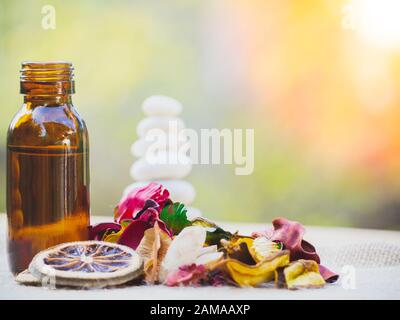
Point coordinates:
[[50, 77], [47, 71]]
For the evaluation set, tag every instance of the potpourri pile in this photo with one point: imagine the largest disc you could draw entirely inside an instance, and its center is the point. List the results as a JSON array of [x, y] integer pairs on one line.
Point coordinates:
[[179, 252]]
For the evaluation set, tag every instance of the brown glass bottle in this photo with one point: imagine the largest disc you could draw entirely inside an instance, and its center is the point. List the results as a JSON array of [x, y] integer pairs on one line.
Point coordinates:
[[47, 165]]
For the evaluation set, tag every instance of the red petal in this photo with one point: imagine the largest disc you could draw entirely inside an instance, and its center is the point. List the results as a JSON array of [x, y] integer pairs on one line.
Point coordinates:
[[134, 233], [97, 231], [164, 228]]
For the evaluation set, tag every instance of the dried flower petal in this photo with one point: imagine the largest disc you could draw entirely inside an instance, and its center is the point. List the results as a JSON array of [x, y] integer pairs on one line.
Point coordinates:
[[214, 233], [97, 231], [183, 250], [174, 216], [300, 274], [133, 202], [217, 277], [114, 236], [209, 257], [133, 233], [152, 248], [262, 248], [238, 248], [291, 233], [150, 215], [187, 275], [328, 275], [253, 275]]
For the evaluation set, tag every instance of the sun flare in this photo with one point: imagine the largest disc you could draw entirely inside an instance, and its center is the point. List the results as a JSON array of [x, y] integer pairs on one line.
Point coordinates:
[[378, 22]]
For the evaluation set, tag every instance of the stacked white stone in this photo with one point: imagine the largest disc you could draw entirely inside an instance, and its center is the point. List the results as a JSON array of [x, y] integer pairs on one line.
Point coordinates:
[[162, 113]]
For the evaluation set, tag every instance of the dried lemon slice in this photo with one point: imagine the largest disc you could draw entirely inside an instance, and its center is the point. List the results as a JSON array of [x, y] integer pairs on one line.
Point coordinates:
[[87, 264], [26, 278]]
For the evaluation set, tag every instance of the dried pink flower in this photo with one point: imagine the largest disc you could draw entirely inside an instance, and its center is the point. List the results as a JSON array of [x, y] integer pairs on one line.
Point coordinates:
[[290, 234], [186, 275], [134, 202]]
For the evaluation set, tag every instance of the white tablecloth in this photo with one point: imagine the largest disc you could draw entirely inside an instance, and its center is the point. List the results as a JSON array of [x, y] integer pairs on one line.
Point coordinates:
[[366, 278]]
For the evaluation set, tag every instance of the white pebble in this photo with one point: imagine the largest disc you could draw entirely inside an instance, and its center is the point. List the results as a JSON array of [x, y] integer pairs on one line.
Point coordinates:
[[144, 170], [161, 106], [180, 191], [166, 124], [140, 146]]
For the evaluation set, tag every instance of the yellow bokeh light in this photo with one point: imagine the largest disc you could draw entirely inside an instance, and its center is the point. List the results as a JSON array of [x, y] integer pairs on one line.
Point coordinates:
[[378, 22]]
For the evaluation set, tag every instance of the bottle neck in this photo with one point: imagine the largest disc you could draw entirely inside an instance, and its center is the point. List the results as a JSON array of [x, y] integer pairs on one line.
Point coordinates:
[[51, 100]]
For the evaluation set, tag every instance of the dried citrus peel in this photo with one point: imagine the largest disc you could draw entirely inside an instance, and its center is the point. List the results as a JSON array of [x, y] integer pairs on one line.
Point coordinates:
[[26, 278]]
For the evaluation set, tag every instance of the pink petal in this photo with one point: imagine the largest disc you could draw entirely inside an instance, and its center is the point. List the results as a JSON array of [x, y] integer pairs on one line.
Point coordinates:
[[291, 233], [328, 275], [133, 202], [307, 251], [151, 215], [186, 275]]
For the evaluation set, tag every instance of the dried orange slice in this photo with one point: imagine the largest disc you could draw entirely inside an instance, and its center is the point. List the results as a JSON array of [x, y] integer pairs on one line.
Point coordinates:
[[87, 264]]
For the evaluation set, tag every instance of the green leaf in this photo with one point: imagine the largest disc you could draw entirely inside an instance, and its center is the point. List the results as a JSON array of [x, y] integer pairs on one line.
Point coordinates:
[[174, 216]]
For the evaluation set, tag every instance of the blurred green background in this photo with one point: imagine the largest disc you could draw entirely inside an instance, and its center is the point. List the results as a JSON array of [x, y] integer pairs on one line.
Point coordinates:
[[322, 99]]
